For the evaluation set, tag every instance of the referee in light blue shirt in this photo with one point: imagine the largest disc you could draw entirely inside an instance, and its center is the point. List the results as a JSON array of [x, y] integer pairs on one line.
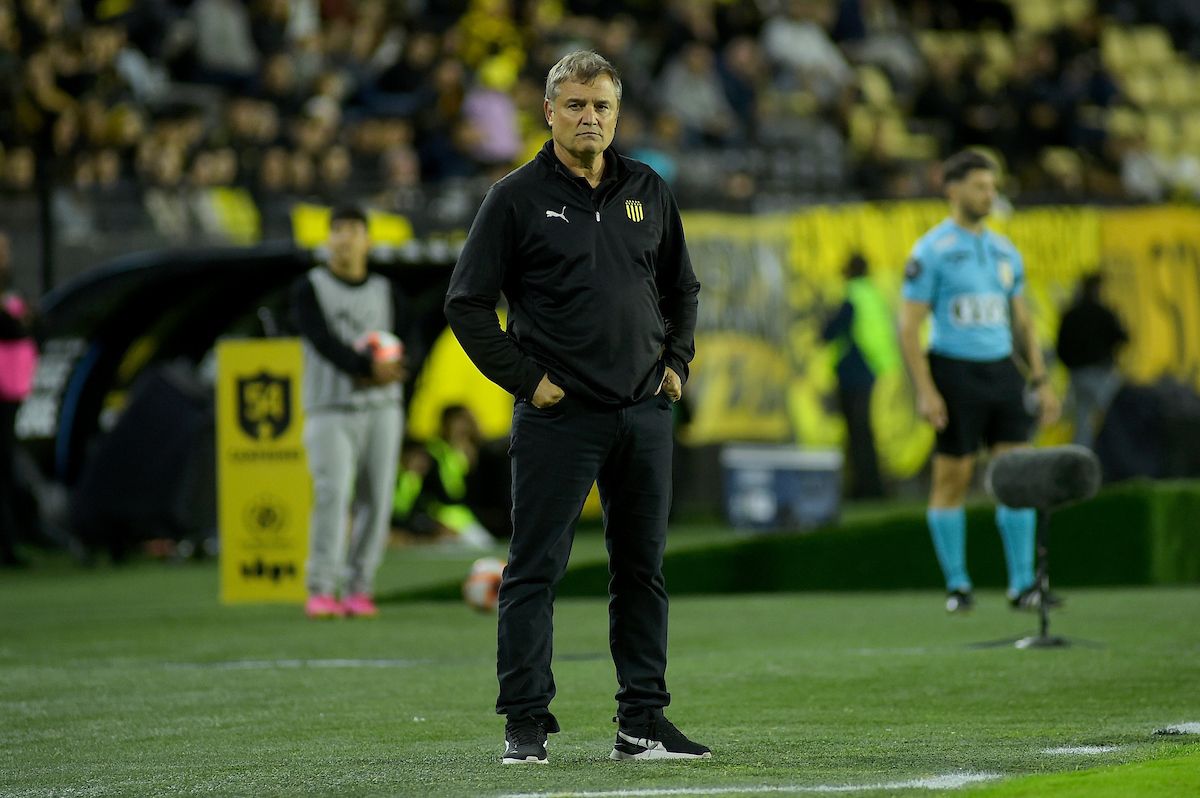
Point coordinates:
[[968, 384]]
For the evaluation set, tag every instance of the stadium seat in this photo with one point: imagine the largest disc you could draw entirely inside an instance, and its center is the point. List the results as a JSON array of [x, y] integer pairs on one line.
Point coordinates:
[[1116, 49], [1189, 137], [1124, 121], [1064, 164], [998, 49], [1153, 45], [1034, 16], [875, 87], [1142, 86], [1161, 133]]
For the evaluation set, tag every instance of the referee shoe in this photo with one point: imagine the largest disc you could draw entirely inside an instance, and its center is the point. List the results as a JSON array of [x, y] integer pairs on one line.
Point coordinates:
[[1031, 599], [655, 738], [524, 742], [959, 601]]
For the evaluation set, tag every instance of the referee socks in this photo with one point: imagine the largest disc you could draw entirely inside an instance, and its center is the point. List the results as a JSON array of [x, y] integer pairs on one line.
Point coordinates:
[[948, 528], [1017, 530]]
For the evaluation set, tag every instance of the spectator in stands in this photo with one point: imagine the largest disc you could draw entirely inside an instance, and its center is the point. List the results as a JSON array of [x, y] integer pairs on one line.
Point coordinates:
[[20, 170], [886, 43], [798, 41], [225, 50], [1089, 336], [401, 170], [692, 90], [72, 203], [744, 77], [490, 117], [280, 85], [335, 172]]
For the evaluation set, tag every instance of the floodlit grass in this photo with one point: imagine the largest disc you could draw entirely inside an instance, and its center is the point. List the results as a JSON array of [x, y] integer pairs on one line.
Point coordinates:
[[134, 681]]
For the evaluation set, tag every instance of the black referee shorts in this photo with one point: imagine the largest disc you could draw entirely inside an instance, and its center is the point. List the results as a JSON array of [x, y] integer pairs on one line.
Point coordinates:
[[985, 404]]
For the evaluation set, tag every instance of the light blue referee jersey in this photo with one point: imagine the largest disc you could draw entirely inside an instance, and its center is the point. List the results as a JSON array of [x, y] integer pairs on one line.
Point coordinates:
[[968, 281]]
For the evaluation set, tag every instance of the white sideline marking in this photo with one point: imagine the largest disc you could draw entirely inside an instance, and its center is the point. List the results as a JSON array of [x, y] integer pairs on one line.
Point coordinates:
[[269, 664], [949, 781], [1082, 750], [1181, 728]]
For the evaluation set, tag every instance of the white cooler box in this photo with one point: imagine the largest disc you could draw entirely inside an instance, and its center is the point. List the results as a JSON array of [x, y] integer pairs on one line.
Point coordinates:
[[781, 487]]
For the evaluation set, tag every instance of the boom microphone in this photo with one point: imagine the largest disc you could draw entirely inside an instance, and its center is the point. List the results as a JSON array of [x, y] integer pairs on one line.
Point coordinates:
[[1045, 478]]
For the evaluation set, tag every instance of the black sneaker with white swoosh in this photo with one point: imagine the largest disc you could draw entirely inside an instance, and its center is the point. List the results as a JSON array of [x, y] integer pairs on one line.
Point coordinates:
[[524, 743], [655, 738]]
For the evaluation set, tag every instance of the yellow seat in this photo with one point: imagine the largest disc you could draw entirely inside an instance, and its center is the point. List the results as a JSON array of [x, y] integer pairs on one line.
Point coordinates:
[[1161, 133], [1124, 122], [1072, 11], [1063, 163], [875, 86], [997, 49], [1037, 17], [862, 128], [1116, 49], [1189, 132], [1143, 87], [1153, 45]]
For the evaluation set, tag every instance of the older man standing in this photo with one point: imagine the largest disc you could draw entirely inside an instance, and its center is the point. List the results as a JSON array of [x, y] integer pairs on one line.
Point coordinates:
[[588, 248]]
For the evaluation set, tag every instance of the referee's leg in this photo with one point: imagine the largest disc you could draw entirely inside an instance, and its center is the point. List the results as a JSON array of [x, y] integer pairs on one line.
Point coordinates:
[[635, 488], [556, 455]]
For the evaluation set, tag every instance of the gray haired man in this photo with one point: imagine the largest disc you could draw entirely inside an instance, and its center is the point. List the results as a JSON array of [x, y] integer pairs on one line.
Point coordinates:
[[588, 248]]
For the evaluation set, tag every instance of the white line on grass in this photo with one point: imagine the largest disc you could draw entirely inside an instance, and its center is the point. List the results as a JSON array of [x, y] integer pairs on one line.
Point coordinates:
[[948, 781], [268, 664], [1082, 750], [1181, 728]]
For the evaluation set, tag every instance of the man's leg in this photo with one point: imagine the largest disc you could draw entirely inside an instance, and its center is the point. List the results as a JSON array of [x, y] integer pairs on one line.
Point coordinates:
[[635, 490], [865, 480], [556, 455], [378, 459], [947, 519], [331, 464]]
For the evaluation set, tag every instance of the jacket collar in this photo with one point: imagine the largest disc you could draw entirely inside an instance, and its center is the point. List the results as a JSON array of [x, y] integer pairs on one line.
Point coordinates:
[[614, 164]]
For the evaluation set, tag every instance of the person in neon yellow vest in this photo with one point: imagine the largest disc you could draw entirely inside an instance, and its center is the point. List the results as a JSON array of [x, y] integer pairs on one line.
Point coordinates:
[[438, 489], [862, 332]]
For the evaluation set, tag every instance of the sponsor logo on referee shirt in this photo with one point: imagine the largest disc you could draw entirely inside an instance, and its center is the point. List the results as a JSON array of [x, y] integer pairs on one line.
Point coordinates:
[[1004, 271], [633, 209]]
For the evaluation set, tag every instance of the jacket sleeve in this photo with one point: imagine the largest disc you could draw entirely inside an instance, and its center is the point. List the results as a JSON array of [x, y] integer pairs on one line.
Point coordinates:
[[474, 291], [677, 291], [310, 322]]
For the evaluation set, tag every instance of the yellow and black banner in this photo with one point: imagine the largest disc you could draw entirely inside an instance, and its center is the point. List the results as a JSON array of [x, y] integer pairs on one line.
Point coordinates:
[[762, 372], [263, 486], [1152, 280]]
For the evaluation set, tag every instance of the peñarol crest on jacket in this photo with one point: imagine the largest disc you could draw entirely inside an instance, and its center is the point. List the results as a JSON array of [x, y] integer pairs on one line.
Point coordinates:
[[264, 405], [633, 209]]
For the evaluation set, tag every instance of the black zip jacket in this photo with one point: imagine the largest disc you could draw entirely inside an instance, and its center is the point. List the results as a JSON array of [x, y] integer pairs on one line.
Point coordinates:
[[600, 287]]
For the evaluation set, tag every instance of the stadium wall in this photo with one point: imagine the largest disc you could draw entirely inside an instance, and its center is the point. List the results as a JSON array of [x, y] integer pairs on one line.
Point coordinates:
[[1138, 533]]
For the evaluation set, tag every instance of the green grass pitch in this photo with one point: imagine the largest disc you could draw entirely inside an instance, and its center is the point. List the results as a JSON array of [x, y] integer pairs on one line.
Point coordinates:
[[134, 681]]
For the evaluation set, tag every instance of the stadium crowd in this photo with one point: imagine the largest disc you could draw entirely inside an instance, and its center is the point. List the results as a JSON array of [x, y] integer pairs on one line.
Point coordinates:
[[179, 106]]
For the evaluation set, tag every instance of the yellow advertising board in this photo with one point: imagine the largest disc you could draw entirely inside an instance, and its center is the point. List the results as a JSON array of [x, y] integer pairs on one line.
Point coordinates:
[[263, 486], [1152, 280]]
